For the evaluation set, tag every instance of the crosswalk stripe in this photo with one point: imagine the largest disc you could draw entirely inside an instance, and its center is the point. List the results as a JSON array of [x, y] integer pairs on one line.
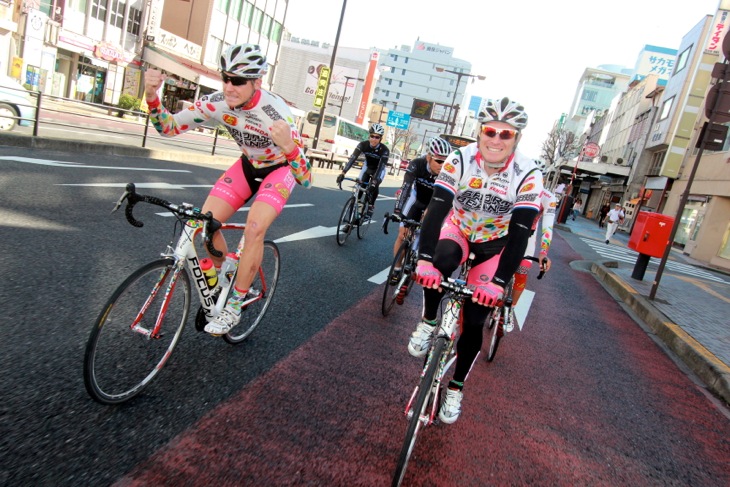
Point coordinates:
[[623, 254]]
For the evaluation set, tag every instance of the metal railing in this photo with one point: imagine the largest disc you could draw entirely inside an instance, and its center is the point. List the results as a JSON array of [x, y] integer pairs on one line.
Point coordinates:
[[50, 104]]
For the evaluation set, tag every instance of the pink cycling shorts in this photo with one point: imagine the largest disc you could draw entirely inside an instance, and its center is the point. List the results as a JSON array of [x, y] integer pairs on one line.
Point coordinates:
[[479, 274], [271, 186]]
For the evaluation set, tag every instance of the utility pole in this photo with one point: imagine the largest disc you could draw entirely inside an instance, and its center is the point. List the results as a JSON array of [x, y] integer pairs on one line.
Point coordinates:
[[454, 106], [332, 66]]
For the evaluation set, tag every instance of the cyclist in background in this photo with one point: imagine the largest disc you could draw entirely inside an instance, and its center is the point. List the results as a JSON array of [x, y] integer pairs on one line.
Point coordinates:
[[484, 201], [376, 157], [417, 188], [271, 164], [546, 218]]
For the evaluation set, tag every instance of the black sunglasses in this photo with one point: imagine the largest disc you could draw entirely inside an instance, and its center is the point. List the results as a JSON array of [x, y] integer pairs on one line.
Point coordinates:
[[234, 80]]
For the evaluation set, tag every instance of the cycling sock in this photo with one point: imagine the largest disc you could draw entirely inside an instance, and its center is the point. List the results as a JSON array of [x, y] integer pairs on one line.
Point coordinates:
[[238, 296], [456, 385], [430, 322]]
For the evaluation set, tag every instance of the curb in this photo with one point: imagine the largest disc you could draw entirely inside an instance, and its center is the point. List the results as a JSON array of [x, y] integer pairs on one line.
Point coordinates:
[[714, 373]]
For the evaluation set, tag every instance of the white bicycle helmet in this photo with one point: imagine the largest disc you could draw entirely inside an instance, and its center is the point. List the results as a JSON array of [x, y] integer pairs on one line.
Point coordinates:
[[245, 60], [377, 129], [438, 147], [504, 110]]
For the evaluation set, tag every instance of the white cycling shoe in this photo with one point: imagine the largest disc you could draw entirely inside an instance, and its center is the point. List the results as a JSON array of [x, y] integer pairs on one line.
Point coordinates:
[[451, 407], [222, 324], [420, 340]]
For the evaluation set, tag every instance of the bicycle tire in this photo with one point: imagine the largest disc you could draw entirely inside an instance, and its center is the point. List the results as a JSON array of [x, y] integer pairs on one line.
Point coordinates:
[[344, 225], [425, 395], [496, 333], [120, 362], [264, 283], [413, 256], [363, 223], [391, 290]]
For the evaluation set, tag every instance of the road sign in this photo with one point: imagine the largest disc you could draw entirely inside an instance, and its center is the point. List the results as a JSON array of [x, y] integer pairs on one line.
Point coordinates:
[[399, 120], [324, 78], [591, 150]]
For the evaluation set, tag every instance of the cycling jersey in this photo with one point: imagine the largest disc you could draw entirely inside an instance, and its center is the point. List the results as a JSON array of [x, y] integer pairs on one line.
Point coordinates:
[[418, 179], [373, 155], [483, 204], [548, 204], [249, 125]]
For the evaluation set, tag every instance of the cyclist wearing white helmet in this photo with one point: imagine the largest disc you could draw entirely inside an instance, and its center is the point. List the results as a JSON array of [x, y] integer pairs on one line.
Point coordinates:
[[484, 201], [417, 187], [271, 164], [376, 157]]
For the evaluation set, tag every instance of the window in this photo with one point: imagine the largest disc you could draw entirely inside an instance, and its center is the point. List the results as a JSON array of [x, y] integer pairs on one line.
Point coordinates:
[[394, 57], [45, 7], [400, 84], [213, 53], [390, 82], [589, 95], [117, 16], [258, 17], [236, 8], [276, 32], [666, 109], [98, 9], [266, 26], [725, 246], [397, 96], [403, 72], [77, 5], [135, 17], [221, 5], [247, 14], [682, 60]]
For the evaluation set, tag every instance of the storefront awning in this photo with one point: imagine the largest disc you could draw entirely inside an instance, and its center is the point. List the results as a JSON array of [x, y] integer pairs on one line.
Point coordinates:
[[185, 68]]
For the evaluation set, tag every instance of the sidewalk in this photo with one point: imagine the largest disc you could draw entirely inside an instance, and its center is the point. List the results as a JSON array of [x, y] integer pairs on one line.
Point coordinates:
[[690, 313]]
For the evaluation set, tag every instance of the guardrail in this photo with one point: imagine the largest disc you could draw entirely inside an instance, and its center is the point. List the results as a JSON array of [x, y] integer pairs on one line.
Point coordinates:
[[55, 104]]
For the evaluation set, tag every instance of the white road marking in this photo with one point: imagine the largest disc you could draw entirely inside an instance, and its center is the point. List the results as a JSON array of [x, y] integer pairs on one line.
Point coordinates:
[[78, 165]]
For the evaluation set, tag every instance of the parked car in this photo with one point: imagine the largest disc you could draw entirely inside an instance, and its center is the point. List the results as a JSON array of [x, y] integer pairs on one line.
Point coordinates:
[[15, 101], [404, 164]]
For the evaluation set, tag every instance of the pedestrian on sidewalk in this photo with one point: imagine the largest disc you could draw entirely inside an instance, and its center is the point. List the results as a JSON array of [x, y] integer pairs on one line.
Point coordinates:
[[602, 215], [577, 207], [613, 218]]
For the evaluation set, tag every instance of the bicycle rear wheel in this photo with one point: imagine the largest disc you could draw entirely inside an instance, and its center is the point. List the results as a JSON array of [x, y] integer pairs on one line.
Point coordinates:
[[347, 219], [418, 410], [496, 333], [363, 224], [396, 278], [262, 288], [124, 352]]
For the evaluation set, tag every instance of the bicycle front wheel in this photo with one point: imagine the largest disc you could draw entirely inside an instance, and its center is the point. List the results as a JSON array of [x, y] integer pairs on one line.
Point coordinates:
[[347, 219], [496, 332], [363, 223], [136, 332], [418, 412], [396, 278], [262, 290]]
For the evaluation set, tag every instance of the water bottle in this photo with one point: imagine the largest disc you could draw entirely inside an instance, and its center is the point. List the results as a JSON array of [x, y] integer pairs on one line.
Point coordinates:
[[211, 276], [228, 268]]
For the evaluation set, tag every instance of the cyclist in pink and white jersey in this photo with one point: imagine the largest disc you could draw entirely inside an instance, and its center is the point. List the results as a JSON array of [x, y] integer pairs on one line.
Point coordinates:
[[484, 201], [271, 164]]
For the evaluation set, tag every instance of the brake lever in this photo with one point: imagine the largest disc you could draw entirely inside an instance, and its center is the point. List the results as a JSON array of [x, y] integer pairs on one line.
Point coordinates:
[[118, 204]]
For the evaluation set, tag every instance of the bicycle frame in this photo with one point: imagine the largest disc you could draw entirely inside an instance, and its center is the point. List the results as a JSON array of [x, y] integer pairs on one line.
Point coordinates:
[[185, 256]]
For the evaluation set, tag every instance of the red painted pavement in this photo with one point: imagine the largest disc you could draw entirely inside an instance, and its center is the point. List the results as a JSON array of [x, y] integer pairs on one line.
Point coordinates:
[[582, 396]]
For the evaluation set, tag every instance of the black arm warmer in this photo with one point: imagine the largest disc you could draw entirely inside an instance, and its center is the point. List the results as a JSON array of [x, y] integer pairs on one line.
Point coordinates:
[[436, 212], [355, 154], [520, 225], [405, 190]]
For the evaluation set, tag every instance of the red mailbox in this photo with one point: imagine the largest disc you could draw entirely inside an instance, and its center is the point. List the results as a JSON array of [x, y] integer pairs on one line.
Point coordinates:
[[651, 233]]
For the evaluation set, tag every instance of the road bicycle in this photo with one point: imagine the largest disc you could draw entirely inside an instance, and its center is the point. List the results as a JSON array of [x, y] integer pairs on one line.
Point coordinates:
[[400, 281], [143, 320], [502, 318], [424, 402], [355, 212]]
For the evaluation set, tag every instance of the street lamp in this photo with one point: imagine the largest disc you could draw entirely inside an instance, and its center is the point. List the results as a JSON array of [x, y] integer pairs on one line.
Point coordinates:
[[453, 106], [344, 94]]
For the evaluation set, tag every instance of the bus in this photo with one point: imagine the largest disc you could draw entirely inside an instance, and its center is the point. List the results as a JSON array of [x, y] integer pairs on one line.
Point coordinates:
[[337, 135], [457, 141]]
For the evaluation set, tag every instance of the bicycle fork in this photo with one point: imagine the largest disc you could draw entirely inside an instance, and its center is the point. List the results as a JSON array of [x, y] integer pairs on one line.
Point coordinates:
[[154, 332]]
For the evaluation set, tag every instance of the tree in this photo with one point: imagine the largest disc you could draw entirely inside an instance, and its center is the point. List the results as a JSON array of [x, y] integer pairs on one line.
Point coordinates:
[[403, 139], [559, 144]]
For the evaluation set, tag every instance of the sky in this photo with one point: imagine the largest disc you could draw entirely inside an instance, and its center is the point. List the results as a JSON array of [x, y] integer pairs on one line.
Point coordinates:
[[533, 51]]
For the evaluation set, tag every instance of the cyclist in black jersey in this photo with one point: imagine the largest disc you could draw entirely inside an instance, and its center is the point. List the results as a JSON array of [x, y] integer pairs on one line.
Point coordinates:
[[376, 157], [417, 188]]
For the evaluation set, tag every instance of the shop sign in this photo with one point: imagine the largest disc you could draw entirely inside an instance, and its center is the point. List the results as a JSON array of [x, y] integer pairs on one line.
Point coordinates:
[[178, 45], [108, 53]]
